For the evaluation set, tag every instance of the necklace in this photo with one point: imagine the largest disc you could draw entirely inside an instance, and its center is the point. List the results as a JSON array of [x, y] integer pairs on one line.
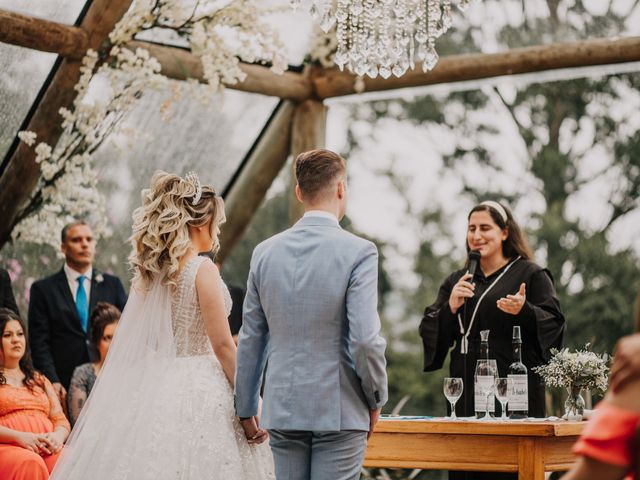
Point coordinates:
[[464, 347]]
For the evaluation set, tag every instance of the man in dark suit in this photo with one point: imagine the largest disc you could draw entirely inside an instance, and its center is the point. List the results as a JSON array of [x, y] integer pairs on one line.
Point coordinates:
[[60, 305], [7, 300]]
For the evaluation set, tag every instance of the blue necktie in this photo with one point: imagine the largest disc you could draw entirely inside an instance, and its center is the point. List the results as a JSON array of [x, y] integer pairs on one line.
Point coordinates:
[[82, 305]]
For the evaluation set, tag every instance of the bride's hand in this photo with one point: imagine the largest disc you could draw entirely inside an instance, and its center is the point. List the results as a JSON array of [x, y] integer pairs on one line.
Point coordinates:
[[253, 433]]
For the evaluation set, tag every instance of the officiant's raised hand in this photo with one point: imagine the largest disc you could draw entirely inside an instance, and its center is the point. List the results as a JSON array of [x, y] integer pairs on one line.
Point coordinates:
[[252, 430], [513, 303]]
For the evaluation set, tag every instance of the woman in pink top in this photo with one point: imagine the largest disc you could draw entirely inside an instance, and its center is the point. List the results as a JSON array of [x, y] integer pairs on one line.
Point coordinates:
[[608, 448], [32, 424]]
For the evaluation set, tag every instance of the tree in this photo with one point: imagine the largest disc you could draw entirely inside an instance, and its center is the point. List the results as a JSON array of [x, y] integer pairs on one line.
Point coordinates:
[[547, 149]]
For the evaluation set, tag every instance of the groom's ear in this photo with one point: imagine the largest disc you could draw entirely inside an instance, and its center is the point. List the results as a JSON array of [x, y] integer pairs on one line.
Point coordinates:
[[342, 188], [299, 193]]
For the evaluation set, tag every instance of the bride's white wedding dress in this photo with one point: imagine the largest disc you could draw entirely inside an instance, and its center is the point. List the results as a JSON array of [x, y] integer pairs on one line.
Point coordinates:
[[162, 407]]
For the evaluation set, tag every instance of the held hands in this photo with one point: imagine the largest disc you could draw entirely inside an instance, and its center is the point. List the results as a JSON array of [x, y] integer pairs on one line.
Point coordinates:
[[253, 432], [512, 304], [461, 291], [41, 443], [55, 440], [374, 416]]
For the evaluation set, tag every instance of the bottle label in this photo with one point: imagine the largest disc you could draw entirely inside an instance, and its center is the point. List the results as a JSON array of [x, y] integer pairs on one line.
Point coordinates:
[[482, 384], [518, 393]]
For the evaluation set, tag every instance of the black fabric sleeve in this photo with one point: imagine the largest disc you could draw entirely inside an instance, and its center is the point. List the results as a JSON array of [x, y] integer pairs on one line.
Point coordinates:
[[39, 334], [6, 296], [541, 313], [438, 328]]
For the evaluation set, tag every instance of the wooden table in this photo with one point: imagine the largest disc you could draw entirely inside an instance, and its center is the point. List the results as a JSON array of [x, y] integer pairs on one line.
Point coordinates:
[[529, 448]]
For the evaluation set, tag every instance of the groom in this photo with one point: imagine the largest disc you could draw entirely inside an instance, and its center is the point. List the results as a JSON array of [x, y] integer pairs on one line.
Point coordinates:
[[310, 314]]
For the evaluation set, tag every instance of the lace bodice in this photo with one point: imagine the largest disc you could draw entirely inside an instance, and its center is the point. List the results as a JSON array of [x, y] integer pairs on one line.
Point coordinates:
[[188, 326]]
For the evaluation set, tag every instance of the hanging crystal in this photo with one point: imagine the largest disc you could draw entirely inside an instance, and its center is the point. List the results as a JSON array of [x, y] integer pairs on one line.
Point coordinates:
[[384, 37]]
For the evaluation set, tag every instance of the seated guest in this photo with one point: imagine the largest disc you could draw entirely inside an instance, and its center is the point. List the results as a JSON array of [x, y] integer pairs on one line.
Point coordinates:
[[103, 322], [608, 448], [60, 305], [33, 427], [7, 300]]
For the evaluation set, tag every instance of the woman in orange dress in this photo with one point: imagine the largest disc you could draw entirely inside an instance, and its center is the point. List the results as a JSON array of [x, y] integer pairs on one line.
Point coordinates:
[[608, 449], [33, 427]]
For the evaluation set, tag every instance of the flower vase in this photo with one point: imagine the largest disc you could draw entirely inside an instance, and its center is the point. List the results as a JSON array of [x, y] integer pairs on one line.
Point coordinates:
[[574, 405]]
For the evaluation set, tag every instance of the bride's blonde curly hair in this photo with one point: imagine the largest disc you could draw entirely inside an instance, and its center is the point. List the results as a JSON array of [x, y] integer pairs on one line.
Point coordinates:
[[160, 226]]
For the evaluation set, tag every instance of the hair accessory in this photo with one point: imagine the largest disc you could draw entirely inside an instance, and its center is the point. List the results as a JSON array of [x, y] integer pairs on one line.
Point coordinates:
[[498, 208], [192, 178]]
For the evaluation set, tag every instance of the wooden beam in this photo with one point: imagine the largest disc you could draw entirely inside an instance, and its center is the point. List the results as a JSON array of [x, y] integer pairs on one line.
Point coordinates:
[[22, 172], [250, 188], [177, 63], [307, 132], [457, 68], [180, 64], [40, 34]]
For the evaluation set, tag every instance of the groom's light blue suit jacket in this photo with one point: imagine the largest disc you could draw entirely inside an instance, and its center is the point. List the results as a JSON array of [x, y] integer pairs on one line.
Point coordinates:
[[310, 315]]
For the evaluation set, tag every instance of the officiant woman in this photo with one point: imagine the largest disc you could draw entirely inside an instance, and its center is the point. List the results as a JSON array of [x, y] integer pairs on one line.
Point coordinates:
[[508, 289]]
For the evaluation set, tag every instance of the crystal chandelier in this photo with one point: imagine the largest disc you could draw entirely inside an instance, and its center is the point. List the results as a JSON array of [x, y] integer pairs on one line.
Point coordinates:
[[384, 37]]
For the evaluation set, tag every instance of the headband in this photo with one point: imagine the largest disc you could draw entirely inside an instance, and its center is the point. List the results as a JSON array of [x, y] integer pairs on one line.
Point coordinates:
[[498, 208]]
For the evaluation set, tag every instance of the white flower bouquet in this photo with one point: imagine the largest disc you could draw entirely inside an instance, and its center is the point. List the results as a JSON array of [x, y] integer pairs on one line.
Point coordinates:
[[576, 371]]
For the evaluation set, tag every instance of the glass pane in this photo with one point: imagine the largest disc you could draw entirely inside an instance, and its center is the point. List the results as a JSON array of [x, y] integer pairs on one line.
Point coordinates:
[[22, 70], [63, 11], [295, 28], [210, 140]]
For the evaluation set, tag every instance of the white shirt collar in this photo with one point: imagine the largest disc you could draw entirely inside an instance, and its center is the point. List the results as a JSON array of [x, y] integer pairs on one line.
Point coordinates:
[[322, 214], [72, 275]]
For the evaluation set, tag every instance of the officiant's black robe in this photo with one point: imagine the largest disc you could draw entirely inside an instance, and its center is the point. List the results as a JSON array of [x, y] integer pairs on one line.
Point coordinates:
[[541, 321]]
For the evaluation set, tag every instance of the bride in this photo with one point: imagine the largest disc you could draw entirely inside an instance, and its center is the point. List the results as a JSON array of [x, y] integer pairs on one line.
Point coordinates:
[[162, 407]]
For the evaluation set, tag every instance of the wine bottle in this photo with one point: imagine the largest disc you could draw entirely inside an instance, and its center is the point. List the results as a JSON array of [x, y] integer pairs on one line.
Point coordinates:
[[482, 379], [518, 405]]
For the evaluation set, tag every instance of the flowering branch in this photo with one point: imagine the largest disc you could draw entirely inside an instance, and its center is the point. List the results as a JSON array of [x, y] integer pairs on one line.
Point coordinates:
[[220, 35]]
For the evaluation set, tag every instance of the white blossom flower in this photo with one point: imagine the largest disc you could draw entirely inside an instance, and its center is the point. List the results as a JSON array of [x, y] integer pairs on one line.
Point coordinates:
[[27, 137]]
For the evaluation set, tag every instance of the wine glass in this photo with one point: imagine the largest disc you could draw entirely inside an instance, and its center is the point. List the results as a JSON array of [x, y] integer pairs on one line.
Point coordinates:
[[485, 377], [452, 388], [502, 394]]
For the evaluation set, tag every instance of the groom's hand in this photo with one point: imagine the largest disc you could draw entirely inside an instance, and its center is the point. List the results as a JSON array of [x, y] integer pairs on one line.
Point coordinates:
[[374, 415], [252, 431]]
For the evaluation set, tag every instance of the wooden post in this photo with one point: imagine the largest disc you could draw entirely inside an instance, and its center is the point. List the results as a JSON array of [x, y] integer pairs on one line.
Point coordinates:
[[180, 64], [40, 34], [22, 172], [307, 132], [177, 63], [262, 167], [457, 68]]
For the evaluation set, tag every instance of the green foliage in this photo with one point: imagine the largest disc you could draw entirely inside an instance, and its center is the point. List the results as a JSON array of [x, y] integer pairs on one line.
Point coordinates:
[[596, 283]]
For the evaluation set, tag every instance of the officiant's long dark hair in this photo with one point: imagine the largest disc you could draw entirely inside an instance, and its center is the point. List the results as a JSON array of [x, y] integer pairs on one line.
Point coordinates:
[[516, 243]]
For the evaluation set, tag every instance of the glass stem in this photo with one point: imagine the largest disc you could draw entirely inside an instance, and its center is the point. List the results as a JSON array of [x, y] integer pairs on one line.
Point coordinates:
[[486, 413], [453, 409]]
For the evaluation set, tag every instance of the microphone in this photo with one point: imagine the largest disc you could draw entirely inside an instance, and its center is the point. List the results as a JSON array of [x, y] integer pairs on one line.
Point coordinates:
[[474, 260]]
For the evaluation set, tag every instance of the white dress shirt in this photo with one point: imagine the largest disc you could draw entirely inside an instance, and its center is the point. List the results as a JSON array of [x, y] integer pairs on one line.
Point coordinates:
[[72, 278]]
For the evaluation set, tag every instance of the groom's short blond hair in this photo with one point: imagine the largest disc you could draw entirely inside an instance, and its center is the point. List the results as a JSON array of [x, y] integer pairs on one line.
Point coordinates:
[[316, 170]]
